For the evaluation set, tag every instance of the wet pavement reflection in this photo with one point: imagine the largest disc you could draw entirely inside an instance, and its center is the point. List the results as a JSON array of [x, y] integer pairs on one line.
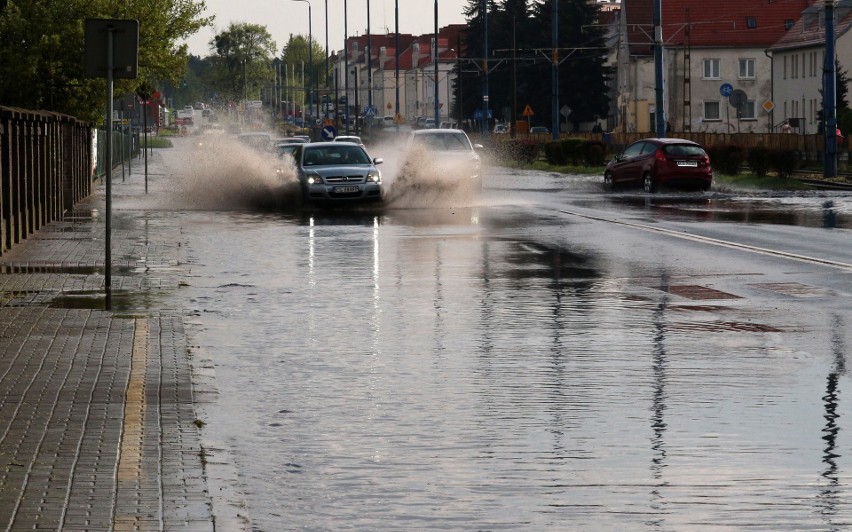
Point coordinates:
[[498, 366], [380, 370], [815, 211]]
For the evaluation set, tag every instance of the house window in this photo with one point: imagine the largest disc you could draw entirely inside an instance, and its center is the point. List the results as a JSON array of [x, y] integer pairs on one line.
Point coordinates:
[[751, 22], [711, 110], [788, 24], [746, 68], [747, 111], [712, 68]]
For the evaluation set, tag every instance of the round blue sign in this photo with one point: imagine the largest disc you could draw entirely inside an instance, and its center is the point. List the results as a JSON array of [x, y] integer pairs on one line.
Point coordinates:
[[328, 133], [726, 89]]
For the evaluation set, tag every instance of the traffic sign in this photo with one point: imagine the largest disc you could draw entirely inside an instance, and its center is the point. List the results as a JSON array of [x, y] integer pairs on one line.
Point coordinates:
[[738, 98], [328, 133], [528, 111], [726, 89], [768, 105]]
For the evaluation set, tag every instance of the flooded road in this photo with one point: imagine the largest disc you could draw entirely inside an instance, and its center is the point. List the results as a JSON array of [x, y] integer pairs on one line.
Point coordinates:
[[535, 359]]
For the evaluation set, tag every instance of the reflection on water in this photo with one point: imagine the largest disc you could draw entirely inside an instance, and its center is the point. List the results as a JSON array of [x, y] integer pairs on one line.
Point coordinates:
[[381, 372], [806, 212], [832, 494]]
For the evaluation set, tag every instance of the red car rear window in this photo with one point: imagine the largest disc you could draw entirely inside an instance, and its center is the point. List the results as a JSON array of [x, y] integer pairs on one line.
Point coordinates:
[[684, 150]]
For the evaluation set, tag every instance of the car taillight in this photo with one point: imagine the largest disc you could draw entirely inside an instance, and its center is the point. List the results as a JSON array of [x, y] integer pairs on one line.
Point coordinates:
[[660, 155]]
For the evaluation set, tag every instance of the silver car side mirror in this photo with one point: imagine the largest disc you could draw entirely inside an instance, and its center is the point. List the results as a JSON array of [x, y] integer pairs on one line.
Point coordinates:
[[378, 160]]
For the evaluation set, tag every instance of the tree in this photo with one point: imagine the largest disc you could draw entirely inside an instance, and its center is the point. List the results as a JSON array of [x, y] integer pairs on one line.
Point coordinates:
[[295, 53], [241, 63], [41, 45], [525, 27], [582, 75]]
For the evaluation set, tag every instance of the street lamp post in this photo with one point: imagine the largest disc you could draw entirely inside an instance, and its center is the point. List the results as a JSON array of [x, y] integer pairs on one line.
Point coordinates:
[[310, 56], [357, 110], [437, 100], [346, 62], [369, 60], [396, 62], [326, 60]]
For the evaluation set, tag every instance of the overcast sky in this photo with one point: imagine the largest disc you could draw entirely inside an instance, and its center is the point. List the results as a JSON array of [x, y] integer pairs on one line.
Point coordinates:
[[283, 17]]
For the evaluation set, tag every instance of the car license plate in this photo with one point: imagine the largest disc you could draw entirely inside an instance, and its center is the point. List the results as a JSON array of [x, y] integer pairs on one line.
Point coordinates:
[[693, 164], [345, 190]]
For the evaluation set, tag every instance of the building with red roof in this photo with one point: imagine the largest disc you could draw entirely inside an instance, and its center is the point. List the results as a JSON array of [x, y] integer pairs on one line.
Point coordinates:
[[798, 59], [374, 77], [710, 48]]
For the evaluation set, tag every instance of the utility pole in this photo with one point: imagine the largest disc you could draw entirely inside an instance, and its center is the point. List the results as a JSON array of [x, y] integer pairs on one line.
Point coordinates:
[[437, 100], [554, 71], [829, 94], [659, 112]]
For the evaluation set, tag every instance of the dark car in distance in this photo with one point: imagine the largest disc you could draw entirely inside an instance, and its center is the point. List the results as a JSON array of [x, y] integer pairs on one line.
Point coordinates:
[[675, 163]]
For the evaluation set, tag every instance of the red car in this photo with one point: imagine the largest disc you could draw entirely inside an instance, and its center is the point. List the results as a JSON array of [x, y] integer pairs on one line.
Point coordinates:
[[654, 162]]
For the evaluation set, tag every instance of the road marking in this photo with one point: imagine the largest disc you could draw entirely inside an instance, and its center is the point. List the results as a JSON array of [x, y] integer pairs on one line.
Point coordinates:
[[717, 242]]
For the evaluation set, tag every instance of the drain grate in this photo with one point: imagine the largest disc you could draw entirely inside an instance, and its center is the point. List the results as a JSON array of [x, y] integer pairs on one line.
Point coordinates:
[[694, 291], [51, 267]]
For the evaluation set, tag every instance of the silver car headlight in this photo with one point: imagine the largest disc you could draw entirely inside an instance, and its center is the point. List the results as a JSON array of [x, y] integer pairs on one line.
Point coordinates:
[[374, 176], [313, 178]]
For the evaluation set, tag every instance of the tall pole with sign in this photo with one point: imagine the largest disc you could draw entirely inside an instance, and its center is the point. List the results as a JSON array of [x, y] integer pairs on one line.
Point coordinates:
[[112, 51]]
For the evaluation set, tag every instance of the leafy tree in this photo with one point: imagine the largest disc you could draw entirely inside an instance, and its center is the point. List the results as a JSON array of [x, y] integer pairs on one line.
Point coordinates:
[[241, 63], [42, 43], [295, 53]]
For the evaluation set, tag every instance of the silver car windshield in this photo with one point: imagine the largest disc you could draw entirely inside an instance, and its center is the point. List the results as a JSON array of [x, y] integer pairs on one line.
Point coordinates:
[[443, 141], [335, 155]]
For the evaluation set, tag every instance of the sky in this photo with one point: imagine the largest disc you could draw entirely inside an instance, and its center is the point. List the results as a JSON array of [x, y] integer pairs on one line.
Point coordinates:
[[283, 17]]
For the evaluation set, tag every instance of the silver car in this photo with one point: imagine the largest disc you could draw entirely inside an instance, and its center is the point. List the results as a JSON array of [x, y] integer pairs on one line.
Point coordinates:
[[447, 152], [337, 172]]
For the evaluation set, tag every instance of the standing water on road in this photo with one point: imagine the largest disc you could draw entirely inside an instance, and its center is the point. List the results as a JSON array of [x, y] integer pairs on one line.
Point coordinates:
[[492, 367]]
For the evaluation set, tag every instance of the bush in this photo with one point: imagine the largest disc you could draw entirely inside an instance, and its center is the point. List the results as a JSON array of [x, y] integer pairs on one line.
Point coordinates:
[[572, 151], [554, 154], [727, 159], [594, 152], [785, 162], [759, 160]]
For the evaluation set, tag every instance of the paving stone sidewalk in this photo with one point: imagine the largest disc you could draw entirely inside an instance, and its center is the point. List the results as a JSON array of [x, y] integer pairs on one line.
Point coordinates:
[[97, 423]]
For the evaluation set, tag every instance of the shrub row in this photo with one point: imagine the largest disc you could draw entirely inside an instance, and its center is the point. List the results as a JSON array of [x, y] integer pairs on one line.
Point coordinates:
[[728, 159], [576, 152]]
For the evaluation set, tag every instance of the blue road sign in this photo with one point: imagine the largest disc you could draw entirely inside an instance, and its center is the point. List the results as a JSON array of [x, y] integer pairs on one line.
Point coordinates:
[[726, 89], [328, 133]]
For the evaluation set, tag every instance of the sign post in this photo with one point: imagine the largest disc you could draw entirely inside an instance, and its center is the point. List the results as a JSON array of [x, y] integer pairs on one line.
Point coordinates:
[[725, 90], [112, 51]]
